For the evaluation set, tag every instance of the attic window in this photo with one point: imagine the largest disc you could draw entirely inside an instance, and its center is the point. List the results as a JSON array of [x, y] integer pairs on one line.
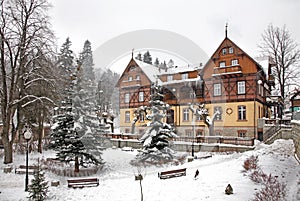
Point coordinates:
[[130, 78], [224, 51], [230, 50], [132, 68]]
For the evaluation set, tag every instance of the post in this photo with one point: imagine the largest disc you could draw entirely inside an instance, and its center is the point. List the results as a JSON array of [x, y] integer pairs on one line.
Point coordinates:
[[27, 136], [193, 148], [26, 177]]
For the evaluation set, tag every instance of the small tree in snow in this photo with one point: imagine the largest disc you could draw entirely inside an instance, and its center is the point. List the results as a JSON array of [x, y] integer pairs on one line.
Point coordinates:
[[39, 186], [202, 112], [155, 141]]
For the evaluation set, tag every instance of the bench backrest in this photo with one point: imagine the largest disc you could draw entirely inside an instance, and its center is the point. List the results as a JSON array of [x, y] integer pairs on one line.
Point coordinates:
[[29, 167], [83, 180], [173, 171]]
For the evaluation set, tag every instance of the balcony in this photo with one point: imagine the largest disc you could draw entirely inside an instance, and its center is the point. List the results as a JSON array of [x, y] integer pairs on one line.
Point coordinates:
[[227, 70]]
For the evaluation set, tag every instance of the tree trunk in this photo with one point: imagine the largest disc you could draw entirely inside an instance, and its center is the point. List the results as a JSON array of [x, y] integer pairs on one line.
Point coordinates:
[[76, 164], [40, 133], [8, 152]]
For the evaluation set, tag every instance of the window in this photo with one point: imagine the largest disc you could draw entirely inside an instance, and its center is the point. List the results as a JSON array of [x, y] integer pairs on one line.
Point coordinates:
[[142, 117], [137, 77], [184, 76], [241, 112], [224, 51], [127, 98], [127, 117], [130, 78], [219, 110], [217, 89], [188, 133], [186, 114], [234, 62], [230, 50], [169, 78], [199, 118], [199, 133], [222, 64], [141, 96], [241, 88], [242, 133]]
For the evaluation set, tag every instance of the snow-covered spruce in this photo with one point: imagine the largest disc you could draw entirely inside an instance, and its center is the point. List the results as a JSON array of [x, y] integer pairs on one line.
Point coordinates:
[[156, 140]]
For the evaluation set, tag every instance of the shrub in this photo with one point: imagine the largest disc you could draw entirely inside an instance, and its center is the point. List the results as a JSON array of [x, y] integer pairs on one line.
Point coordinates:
[[251, 163]]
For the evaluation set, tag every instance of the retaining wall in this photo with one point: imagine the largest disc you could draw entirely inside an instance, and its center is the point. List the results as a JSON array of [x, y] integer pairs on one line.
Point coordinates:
[[187, 146]]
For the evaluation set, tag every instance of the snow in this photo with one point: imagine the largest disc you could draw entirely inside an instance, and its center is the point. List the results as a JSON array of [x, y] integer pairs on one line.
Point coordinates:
[[117, 181]]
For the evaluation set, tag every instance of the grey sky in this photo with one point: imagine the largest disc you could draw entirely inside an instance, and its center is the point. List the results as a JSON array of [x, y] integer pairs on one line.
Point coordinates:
[[202, 21]]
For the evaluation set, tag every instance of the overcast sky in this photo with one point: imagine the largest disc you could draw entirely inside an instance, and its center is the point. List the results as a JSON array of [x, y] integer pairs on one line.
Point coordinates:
[[202, 21]]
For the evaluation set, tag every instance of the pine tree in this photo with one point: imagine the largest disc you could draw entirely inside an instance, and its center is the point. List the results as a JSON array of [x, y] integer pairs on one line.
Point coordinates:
[[170, 63], [68, 129], [155, 141], [156, 62], [147, 58], [139, 57], [38, 188], [86, 60]]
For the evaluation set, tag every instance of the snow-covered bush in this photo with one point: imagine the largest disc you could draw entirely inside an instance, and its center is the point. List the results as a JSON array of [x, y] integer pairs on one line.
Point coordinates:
[[251, 163]]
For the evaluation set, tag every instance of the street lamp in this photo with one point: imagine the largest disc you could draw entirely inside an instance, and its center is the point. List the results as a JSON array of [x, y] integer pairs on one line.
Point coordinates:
[[27, 136]]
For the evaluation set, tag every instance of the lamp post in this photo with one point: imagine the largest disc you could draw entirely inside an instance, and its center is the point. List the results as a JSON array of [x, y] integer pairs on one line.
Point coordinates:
[[27, 136]]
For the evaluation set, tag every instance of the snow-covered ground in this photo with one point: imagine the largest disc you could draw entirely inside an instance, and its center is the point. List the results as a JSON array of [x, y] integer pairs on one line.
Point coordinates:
[[117, 182]]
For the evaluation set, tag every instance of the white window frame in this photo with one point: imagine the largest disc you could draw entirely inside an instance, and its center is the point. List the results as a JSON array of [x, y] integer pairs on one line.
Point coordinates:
[[230, 50], [186, 114], [130, 78], [234, 62], [242, 112], [184, 76], [137, 77], [127, 117], [217, 89], [241, 87], [222, 64], [224, 51], [141, 96], [127, 98], [169, 78]]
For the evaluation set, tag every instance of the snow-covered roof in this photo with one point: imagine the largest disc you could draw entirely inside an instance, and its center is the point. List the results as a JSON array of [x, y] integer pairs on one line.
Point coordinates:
[[154, 72], [264, 62]]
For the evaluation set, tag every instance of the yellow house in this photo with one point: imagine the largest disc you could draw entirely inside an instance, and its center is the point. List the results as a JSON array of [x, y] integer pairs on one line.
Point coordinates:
[[231, 83]]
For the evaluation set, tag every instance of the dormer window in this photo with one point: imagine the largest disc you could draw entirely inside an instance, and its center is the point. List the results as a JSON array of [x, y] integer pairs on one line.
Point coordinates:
[[230, 50], [169, 78], [184, 76], [224, 51]]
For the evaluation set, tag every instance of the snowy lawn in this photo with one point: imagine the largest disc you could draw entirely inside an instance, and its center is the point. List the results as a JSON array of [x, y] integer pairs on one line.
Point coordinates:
[[117, 182]]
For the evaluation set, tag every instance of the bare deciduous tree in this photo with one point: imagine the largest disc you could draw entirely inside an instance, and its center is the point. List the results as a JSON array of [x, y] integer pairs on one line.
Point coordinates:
[[279, 45], [25, 39]]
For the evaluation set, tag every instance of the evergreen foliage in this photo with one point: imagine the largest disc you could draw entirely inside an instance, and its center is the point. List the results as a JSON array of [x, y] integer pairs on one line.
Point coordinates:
[[38, 188], [87, 63], [156, 62], [147, 58], [155, 141], [73, 120]]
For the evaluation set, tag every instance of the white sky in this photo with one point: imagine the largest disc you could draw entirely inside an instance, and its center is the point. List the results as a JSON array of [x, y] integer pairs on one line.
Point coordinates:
[[202, 22]]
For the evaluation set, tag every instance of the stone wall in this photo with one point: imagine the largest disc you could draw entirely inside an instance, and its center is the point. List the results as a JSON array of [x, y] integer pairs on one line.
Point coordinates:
[[186, 146], [295, 135]]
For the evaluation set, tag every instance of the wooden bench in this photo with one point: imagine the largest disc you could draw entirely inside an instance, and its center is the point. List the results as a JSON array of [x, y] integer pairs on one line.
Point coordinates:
[[22, 169], [80, 183], [172, 173]]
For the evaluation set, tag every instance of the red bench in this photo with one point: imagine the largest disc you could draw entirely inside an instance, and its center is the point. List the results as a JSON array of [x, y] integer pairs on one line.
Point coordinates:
[[80, 183], [172, 173]]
